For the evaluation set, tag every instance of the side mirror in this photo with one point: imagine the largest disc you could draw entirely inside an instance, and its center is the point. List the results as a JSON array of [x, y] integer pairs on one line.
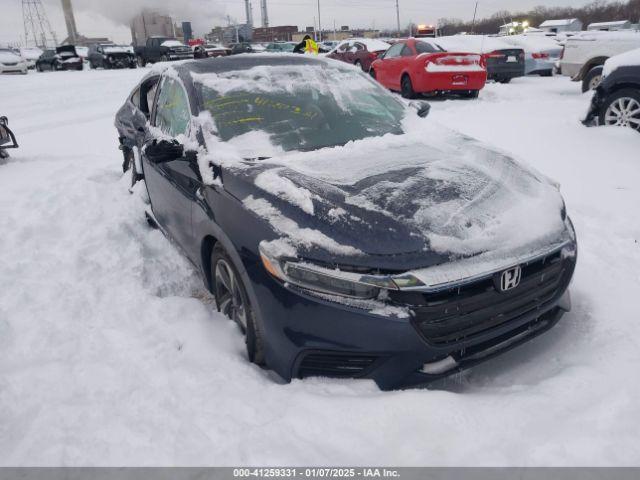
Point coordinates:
[[423, 108], [163, 151]]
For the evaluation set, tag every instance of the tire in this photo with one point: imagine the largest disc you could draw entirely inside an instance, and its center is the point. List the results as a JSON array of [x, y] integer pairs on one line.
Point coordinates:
[[141, 61], [39, 68], [505, 81], [407, 87], [622, 109], [233, 302], [547, 73], [471, 94], [592, 79]]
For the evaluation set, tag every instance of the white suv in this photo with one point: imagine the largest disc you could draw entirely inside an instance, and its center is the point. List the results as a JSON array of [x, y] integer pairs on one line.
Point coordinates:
[[585, 54]]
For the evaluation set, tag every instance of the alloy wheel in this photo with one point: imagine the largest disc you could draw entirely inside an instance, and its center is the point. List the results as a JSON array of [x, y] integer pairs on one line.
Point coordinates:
[[229, 295], [595, 82], [623, 112]]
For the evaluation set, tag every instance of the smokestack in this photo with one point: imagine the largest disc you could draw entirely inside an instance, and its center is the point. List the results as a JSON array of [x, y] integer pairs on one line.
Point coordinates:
[[70, 20], [265, 14], [249, 11]]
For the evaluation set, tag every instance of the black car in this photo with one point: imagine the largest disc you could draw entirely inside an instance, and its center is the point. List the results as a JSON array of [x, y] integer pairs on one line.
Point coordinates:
[[111, 56], [162, 49], [616, 101], [238, 48], [62, 58], [343, 242]]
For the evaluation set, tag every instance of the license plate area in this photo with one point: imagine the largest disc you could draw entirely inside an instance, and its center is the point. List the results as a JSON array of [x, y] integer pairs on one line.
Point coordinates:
[[512, 59], [459, 80]]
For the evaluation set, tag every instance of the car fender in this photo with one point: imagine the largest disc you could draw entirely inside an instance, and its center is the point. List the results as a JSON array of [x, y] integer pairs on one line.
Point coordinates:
[[594, 62]]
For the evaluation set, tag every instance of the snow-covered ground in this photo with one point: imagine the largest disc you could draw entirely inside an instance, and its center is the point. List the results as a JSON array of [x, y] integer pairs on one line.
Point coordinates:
[[111, 354]]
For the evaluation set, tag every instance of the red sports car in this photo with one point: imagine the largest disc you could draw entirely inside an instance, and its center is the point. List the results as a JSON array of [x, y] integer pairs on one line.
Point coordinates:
[[415, 67]]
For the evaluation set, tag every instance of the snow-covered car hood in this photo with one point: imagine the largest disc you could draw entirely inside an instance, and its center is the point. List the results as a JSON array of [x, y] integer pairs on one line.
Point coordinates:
[[6, 57], [627, 59], [395, 195]]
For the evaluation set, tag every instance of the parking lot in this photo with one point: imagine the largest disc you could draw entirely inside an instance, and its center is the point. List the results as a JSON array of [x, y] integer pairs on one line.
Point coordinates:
[[111, 352]]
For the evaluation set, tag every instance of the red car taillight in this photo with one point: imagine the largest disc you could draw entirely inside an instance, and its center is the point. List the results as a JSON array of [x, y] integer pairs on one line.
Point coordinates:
[[540, 56]]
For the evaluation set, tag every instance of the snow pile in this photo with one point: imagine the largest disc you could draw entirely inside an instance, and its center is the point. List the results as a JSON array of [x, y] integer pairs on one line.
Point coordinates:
[[627, 59]]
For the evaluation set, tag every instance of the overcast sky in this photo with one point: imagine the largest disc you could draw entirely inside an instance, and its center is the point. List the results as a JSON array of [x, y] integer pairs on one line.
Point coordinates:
[[110, 17]]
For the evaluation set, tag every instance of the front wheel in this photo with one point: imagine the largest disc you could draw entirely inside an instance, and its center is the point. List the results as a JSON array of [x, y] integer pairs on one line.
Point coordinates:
[[622, 109], [504, 81], [233, 302], [141, 62], [592, 79], [407, 87]]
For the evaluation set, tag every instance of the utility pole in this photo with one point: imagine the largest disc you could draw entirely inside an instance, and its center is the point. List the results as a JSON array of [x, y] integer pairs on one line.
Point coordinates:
[[319, 24], [473, 25], [398, 17]]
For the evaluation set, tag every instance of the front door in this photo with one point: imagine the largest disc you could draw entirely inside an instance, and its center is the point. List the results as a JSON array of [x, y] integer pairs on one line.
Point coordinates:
[[173, 186]]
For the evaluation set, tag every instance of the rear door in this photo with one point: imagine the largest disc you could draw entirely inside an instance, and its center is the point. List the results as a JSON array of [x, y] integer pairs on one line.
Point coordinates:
[[172, 186]]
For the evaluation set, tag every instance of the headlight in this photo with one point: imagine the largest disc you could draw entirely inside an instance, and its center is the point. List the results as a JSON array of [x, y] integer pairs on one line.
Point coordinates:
[[331, 281]]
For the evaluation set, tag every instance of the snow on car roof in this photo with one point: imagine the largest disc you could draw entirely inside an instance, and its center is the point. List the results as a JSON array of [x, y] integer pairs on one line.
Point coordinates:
[[604, 36], [172, 43], [473, 43], [631, 58], [533, 43], [372, 44]]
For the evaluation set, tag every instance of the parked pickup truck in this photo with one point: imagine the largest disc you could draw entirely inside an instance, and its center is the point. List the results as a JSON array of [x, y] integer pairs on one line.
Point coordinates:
[[584, 54], [162, 49]]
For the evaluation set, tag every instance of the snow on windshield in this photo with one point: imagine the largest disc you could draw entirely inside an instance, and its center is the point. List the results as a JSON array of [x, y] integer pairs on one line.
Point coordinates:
[[300, 107]]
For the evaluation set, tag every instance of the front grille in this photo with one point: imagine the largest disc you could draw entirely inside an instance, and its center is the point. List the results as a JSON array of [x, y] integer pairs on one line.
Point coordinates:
[[336, 365], [462, 313]]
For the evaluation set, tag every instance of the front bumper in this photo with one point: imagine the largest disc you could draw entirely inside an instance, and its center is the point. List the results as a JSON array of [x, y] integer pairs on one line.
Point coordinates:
[[505, 71], [592, 118], [308, 336]]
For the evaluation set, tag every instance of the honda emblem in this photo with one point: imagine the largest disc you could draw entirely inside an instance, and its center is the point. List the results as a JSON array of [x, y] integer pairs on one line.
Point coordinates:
[[510, 279]]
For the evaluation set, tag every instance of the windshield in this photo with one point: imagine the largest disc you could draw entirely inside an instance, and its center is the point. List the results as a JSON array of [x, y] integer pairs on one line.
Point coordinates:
[[304, 107]]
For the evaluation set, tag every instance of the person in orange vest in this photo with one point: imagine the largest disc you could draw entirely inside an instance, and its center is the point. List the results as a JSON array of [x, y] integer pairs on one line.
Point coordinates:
[[307, 45]]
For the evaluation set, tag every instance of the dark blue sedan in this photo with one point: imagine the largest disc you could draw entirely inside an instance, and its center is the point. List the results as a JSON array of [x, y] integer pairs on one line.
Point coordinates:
[[346, 235]]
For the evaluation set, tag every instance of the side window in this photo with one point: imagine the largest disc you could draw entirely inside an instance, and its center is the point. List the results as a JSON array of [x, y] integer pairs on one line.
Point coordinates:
[[407, 52], [135, 98], [359, 46], [343, 47], [172, 110], [394, 51]]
